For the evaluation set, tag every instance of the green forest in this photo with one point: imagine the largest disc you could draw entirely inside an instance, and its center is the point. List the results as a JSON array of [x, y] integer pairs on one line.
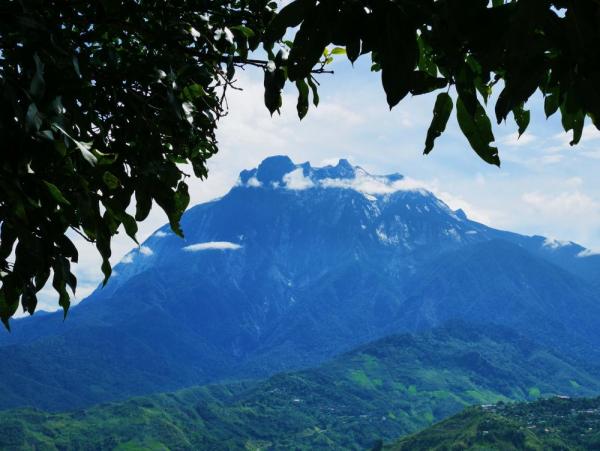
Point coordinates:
[[391, 387]]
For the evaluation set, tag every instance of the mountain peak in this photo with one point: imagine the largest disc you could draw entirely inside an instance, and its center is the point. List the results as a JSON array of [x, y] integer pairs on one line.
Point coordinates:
[[345, 169], [281, 172], [272, 169]]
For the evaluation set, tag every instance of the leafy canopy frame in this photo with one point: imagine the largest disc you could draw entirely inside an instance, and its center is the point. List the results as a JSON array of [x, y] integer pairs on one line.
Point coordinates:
[[106, 103]]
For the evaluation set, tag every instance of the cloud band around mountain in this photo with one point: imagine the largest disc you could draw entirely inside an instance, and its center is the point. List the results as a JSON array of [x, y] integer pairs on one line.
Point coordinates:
[[212, 245]]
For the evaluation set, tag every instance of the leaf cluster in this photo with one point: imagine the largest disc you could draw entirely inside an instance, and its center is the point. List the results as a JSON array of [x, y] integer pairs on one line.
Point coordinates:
[[421, 46], [105, 105]]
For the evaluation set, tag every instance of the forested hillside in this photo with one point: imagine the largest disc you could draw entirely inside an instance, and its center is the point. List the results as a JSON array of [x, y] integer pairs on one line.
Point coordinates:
[[383, 390], [550, 424]]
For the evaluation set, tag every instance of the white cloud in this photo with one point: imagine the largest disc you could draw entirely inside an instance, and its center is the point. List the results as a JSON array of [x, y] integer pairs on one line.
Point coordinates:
[[339, 112], [514, 140], [296, 180], [373, 184], [592, 154], [160, 234], [551, 159], [570, 214], [553, 243], [574, 182], [565, 203], [212, 245], [588, 253], [253, 182], [145, 250], [590, 133], [473, 212], [331, 161]]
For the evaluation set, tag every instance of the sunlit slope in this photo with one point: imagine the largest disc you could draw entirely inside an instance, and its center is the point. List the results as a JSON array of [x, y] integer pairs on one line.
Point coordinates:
[[552, 424]]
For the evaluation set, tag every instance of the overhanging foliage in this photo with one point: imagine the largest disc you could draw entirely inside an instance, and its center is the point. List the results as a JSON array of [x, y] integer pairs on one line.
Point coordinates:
[[421, 46], [103, 102]]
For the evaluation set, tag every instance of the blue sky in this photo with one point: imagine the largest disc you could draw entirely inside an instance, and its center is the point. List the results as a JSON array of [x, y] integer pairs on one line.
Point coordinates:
[[544, 186]]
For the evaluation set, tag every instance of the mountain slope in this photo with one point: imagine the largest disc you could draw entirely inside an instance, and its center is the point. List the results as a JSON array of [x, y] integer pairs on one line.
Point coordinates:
[[294, 266], [382, 390], [535, 296], [565, 424]]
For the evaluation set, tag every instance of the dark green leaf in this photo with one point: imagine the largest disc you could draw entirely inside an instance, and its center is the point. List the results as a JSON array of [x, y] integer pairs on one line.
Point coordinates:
[[399, 53], [423, 83], [441, 114], [59, 283], [56, 194], [290, 16], [130, 226], [465, 86], [36, 88], [478, 131], [426, 63], [76, 66], [573, 121], [193, 91], [315, 92], [353, 49], [33, 119], [302, 106], [522, 117], [40, 279], [110, 180], [182, 198], [29, 299], [274, 81], [551, 104], [245, 31], [143, 204]]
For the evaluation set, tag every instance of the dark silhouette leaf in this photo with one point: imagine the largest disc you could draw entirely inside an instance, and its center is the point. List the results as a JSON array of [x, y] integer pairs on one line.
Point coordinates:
[[441, 114]]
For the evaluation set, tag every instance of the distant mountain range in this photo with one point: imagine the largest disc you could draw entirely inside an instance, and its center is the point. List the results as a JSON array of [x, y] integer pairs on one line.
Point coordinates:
[[391, 387], [294, 266]]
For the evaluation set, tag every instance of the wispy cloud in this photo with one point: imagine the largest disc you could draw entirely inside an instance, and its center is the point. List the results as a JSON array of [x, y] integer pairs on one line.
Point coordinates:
[[372, 184], [565, 203], [130, 257], [253, 182], [212, 245], [553, 243], [514, 140], [296, 180], [145, 250], [588, 253]]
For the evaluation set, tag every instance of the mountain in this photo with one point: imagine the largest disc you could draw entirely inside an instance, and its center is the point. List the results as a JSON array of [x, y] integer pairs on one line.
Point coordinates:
[[293, 266], [385, 389], [550, 424]]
